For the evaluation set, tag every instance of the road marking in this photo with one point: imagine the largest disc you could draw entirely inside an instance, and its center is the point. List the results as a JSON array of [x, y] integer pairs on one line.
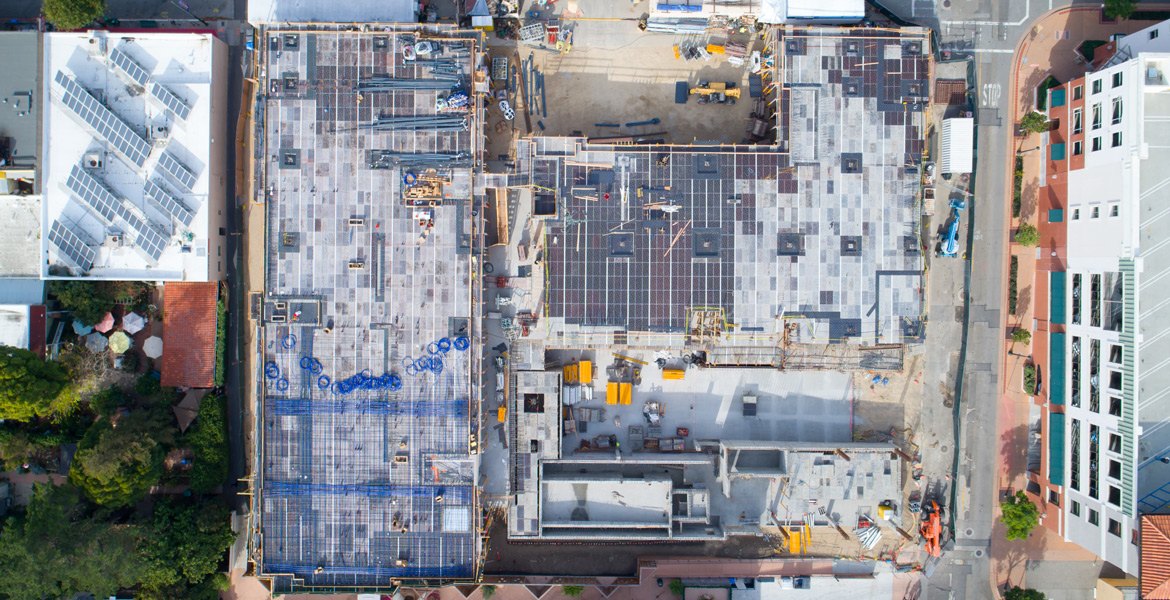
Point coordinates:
[[990, 95], [994, 51]]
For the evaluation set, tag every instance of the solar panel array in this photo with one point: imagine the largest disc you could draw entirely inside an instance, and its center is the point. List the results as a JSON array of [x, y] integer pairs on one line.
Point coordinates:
[[129, 66], [169, 204], [71, 246], [113, 129], [92, 193], [181, 174], [170, 100]]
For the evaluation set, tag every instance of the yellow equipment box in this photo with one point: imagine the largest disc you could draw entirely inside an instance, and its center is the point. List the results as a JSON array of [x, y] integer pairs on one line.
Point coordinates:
[[502, 414], [672, 374], [627, 392], [611, 393], [585, 372], [571, 373]]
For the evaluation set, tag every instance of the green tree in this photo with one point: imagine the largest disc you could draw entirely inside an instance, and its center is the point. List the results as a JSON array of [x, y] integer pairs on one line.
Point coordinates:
[[28, 385], [1020, 516], [1034, 122], [1019, 593], [487, 591], [1119, 9], [676, 587], [208, 442], [107, 401], [1027, 234], [1021, 336], [147, 385], [115, 466], [573, 591], [183, 547], [67, 15], [57, 550], [89, 301]]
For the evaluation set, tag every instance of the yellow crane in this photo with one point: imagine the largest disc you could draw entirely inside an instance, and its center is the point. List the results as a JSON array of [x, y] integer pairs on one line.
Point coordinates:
[[706, 88]]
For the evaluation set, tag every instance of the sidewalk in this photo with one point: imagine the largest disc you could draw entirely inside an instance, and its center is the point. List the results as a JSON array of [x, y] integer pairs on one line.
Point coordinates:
[[1048, 49]]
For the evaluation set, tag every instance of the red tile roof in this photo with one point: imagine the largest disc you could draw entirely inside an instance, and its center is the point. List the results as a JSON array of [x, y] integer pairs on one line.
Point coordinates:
[[1154, 577], [189, 315]]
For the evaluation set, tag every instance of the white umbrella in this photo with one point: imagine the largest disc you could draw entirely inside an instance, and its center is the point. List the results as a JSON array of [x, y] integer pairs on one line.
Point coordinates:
[[133, 322], [80, 329], [153, 346], [119, 342], [96, 342]]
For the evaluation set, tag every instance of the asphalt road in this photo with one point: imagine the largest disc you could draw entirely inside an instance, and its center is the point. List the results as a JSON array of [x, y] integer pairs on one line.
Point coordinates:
[[160, 10]]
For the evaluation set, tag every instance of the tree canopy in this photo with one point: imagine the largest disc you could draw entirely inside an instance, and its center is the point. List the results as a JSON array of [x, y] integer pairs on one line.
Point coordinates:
[[89, 301], [1020, 516], [67, 15], [208, 442], [1034, 122], [1027, 234], [1022, 336], [116, 465], [183, 547], [28, 385], [1119, 9], [57, 549]]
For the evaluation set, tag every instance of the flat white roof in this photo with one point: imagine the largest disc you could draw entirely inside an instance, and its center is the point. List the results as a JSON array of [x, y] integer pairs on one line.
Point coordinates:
[[826, 9], [19, 238], [316, 11], [135, 98], [14, 319], [958, 145]]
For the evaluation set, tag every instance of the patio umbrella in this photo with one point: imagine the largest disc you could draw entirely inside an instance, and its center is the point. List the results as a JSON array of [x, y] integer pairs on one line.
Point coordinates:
[[119, 342], [133, 322], [153, 346], [106, 324], [96, 342], [80, 329]]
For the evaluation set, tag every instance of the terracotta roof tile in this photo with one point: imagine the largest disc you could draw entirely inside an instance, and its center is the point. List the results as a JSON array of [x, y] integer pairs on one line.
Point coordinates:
[[189, 325], [1154, 578]]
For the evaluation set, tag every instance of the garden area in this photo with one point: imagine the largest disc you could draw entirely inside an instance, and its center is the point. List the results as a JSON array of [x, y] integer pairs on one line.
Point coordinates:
[[139, 460]]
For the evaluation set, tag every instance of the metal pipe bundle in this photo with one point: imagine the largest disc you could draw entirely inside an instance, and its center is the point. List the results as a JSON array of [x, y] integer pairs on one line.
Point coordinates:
[[421, 123], [441, 82]]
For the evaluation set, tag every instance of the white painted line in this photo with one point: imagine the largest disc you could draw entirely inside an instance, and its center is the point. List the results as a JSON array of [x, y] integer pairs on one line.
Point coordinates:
[[724, 408], [994, 51]]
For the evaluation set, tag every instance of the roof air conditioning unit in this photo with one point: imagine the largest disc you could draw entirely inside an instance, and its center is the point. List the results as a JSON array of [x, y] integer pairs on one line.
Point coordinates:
[[92, 160], [114, 240]]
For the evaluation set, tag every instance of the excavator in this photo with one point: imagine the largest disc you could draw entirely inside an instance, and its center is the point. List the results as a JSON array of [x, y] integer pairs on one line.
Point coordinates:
[[932, 527], [716, 91]]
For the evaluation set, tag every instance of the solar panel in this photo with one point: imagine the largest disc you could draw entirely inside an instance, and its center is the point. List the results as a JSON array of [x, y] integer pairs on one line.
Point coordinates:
[[170, 100], [169, 204], [181, 174], [111, 128], [147, 239], [71, 246], [128, 66]]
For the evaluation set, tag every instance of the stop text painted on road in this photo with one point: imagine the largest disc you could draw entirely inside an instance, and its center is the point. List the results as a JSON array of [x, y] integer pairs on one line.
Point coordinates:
[[990, 95]]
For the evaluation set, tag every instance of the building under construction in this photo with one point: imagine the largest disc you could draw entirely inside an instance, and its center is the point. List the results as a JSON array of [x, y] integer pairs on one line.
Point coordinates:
[[366, 444]]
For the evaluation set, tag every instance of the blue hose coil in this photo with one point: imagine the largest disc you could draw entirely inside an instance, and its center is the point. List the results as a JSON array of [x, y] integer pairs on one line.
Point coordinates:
[[305, 363], [410, 370], [271, 370], [323, 382], [282, 384], [315, 366], [366, 373], [444, 345], [437, 365], [433, 348], [289, 341], [395, 382], [462, 343]]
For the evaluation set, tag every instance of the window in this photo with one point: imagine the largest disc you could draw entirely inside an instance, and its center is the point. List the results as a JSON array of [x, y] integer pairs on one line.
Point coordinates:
[[1076, 216], [1114, 472], [1078, 148], [1053, 497], [1116, 139], [1097, 116], [1094, 376], [1115, 443], [1115, 354], [1075, 509], [1094, 470], [1094, 517], [1114, 210], [1116, 110], [1094, 299], [1098, 85], [1115, 406], [1078, 92], [1114, 528], [1115, 380], [1114, 496], [1096, 212], [1154, 34], [1074, 444], [1076, 295], [1075, 359], [1078, 124], [1117, 79], [1097, 144], [222, 231]]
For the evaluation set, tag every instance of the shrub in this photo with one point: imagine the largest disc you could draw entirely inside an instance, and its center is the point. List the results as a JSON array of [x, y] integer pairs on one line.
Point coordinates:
[[220, 340], [107, 401], [208, 442], [676, 587], [72, 14], [487, 591], [1034, 122], [1022, 336], [1027, 234], [1019, 515], [1030, 380], [147, 385], [1013, 293], [1018, 191], [1042, 92], [573, 591]]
